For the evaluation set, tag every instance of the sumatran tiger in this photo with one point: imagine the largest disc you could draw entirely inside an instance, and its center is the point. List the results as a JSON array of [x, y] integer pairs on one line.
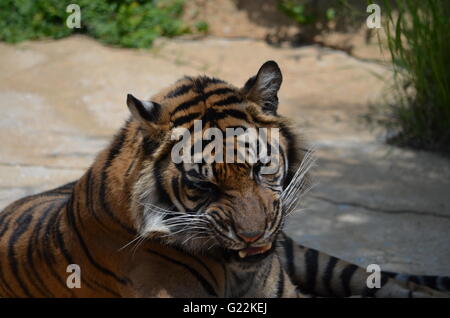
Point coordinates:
[[139, 224]]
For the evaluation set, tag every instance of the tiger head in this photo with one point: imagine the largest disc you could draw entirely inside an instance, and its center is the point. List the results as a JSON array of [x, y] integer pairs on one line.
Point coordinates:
[[210, 202]]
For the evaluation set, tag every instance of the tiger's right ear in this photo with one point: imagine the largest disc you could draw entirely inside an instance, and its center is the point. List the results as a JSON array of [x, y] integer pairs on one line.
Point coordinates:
[[145, 111], [263, 87]]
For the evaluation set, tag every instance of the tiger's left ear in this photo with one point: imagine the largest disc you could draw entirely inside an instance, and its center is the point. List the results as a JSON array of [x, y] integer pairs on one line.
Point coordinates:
[[144, 111], [263, 87]]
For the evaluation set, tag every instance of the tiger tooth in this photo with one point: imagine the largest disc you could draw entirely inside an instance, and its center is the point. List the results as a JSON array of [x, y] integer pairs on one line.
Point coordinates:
[[242, 254], [268, 247]]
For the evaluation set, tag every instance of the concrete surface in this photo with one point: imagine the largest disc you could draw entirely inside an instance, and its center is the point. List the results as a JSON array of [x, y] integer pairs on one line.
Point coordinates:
[[60, 102]]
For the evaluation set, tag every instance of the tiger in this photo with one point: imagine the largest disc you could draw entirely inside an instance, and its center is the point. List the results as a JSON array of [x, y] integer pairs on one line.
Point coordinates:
[[139, 224]]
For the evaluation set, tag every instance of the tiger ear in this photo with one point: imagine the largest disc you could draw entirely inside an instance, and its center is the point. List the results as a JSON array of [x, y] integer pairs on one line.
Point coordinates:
[[144, 111], [263, 87]]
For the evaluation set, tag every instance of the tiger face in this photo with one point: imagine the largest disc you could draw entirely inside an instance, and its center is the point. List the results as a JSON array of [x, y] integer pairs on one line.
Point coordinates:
[[204, 204], [242, 207]]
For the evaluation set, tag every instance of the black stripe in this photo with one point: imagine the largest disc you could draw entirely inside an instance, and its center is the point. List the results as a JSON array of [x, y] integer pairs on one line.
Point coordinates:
[[198, 185], [430, 281], [206, 268], [202, 82], [219, 91], [237, 129], [292, 153], [115, 149], [88, 195], [194, 198], [190, 184], [235, 113], [198, 206], [211, 115], [280, 223], [328, 275], [185, 119], [267, 271], [228, 101], [180, 90], [211, 80], [60, 241], [176, 189], [289, 252], [4, 284], [280, 285], [311, 263], [134, 156], [4, 226], [414, 279], [390, 274], [158, 175], [346, 276], [72, 223], [21, 225], [244, 283], [45, 248], [188, 104], [32, 242], [130, 167], [444, 283], [149, 145], [205, 284], [204, 96]]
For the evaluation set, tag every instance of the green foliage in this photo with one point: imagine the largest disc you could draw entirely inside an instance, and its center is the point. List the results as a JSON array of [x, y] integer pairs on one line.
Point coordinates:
[[304, 12], [202, 26], [318, 17], [128, 23], [419, 42], [298, 11]]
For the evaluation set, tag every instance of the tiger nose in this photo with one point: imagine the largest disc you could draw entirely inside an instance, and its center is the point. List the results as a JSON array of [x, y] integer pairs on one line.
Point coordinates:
[[250, 237]]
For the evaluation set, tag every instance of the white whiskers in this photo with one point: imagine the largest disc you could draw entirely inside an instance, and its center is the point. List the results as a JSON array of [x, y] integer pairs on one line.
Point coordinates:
[[298, 186], [170, 224]]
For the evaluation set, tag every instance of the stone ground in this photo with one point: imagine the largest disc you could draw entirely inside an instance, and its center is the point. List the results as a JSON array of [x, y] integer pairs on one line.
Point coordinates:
[[62, 100]]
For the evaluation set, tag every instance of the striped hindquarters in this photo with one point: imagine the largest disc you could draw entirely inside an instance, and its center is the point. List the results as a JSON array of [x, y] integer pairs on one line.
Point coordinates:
[[29, 232], [319, 274]]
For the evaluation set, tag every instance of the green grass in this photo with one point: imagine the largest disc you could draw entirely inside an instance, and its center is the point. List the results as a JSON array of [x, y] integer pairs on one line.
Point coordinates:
[[304, 13], [126, 23], [418, 39], [314, 17]]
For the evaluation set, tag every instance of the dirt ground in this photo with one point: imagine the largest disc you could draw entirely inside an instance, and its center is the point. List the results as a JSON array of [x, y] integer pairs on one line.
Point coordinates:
[[62, 100]]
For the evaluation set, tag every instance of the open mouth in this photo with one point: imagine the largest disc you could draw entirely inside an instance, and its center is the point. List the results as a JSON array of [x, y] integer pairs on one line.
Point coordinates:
[[254, 253], [254, 250]]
